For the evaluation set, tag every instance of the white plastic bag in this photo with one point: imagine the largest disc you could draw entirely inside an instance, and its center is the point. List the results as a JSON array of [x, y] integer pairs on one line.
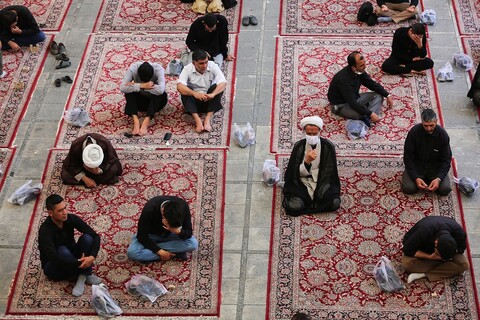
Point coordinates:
[[428, 17], [462, 61], [356, 129], [446, 73], [25, 193], [174, 67], [143, 286], [467, 185], [271, 173], [243, 136], [77, 117], [386, 276], [103, 303]]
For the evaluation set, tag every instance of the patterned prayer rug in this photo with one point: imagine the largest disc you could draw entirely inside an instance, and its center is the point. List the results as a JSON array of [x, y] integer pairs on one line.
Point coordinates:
[[467, 13], [322, 264], [155, 16], [6, 156], [304, 69], [97, 90], [49, 14], [16, 88], [471, 47], [195, 175], [325, 17]]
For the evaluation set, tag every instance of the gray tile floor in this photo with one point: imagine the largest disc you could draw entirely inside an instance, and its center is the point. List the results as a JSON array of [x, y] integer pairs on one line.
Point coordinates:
[[248, 200]]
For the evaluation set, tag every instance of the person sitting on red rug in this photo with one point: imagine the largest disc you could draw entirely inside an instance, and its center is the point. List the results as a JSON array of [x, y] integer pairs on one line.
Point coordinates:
[[396, 10], [474, 92], [433, 248], [144, 89], [164, 231], [18, 28], [63, 258], [91, 161]]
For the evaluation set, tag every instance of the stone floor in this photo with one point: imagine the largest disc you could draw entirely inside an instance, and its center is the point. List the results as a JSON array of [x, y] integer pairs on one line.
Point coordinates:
[[248, 200]]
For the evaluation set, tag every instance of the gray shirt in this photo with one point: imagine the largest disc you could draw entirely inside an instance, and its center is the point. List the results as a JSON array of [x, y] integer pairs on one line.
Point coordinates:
[[132, 75]]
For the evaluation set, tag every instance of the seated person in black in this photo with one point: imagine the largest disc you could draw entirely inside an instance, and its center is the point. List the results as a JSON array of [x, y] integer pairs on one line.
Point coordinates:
[[18, 28], [311, 179], [474, 92]]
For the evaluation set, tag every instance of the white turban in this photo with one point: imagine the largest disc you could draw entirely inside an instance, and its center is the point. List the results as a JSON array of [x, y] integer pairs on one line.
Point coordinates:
[[312, 120], [92, 155]]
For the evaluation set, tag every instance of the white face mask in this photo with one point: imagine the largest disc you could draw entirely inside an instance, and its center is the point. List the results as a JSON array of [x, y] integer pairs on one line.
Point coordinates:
[[312, 140]]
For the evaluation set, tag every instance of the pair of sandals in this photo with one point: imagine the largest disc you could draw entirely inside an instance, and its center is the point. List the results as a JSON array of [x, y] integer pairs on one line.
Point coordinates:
[[249, 20], [60, 52], [58, 81]]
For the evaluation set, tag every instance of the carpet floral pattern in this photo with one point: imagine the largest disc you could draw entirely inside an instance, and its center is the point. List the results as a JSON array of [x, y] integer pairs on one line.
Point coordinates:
[[154, 16], [23, 68], [113, 211], [97, 90], [467, 13], [304, 69], [322, 263], [324, 17], [472, 48], [6, 156], [48, 13]]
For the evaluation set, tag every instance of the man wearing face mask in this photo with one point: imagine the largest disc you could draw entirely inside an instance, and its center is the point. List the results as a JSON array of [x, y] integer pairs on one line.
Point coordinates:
[[344, 96], [427, 157], [311, 179]]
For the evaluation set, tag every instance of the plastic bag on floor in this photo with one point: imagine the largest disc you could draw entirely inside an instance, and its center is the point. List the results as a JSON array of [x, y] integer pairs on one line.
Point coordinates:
[[429, 17], [467, 185], [174, 67], [103, 303], [356, 129], [143, 286], [446, 73], [463, 61], [243, 136], [25, 193], [386, 276], [77, 117], [271, 173]]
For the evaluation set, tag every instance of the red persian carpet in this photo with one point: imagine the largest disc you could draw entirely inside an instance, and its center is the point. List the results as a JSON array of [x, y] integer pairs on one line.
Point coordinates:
[[467, 13], [6, 156], [325, 17], [471, 47], [22, 68], [97, 90], [49, 14], [304, 69], [322, 264], [195, 175], [154, 16]]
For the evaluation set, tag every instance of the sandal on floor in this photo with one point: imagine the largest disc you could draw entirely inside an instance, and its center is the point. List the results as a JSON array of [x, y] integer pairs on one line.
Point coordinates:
[[246, 20], [58, 82], [54, 48], [62, 56], [253, 20], [67, 79], [62, 48], [63, 64]]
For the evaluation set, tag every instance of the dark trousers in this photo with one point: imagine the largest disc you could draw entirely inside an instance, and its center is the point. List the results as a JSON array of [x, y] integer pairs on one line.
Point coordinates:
[[146, 102], [25, 40], [409, 186], [56, 272], [392, 65], [192, 105]]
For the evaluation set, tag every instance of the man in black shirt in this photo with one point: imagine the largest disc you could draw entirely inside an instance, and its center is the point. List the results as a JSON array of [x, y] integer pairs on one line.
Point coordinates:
[[164, 231], [61, 257], [344, 95], [427, 157], [18, 28], [210, 33], [474, 92], [433, 248]]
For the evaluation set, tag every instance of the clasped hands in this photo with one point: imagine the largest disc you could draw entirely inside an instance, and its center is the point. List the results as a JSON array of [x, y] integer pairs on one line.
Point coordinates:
[[431, 187], [203, 96]]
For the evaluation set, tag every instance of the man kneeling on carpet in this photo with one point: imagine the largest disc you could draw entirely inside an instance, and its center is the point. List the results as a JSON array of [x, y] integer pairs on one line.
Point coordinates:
[[433, 248], [201, 85], [311, 179], [62, 257], [91, 161], [18, 28], [164, 231]]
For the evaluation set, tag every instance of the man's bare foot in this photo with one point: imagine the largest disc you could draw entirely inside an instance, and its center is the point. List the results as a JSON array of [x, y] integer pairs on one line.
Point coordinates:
[[136, 125], [144, 128], [199, 128], [207, 122], [207, 126], [420, 73]]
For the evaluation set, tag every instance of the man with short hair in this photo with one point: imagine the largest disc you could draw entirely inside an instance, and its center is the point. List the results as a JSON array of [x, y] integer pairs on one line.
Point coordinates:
[[301, 316], [61, 256], [427, 157], [91, 161], [433, 248], [144, 89], [210, 33], [396, 10], [409, 52], [164, 231], [311, 179], [344, 96], [201, 85], [18, 28]]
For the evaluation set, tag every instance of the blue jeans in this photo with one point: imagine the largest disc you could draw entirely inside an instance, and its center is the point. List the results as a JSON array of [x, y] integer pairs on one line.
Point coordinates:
[[25, 40], [171, 243], [56, 272]]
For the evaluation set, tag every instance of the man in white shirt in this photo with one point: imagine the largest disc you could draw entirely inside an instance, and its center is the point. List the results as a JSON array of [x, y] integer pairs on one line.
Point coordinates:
[[201, 85]]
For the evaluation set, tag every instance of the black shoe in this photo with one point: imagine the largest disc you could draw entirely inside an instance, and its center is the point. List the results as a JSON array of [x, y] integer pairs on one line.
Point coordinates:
[[181, 256], [367, 121], [372, 20]]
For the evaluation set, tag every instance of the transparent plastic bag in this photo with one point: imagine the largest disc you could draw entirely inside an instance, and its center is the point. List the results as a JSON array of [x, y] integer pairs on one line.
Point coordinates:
[[77, 117], [250, 134], [103, 303], [467, 185], [143, 286], [386, 276], [428, 17], [243, 136], [25, 193], [174, 67], [356, 129], [271, 173], [446, 73], [462, 61]]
